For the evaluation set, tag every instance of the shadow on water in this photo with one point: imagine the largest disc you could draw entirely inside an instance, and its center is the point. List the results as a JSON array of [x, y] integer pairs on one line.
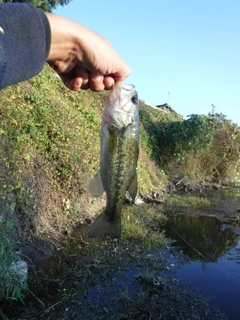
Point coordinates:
[[214, 249]]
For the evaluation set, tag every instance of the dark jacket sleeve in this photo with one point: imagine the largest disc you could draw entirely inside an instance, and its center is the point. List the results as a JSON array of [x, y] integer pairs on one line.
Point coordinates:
[[24, 42]]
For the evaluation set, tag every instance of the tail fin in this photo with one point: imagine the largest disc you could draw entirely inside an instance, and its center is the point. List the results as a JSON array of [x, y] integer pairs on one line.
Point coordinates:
[[103, 227]]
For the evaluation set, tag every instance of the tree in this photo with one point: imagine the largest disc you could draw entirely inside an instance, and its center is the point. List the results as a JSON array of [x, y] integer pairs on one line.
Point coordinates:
[[45, 5]]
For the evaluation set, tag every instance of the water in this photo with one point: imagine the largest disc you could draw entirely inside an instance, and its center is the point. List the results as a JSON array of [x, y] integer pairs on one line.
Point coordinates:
[[214, 249], [215, 282]]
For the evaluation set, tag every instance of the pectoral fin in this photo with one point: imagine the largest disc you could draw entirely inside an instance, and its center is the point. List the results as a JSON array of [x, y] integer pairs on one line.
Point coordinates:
[[132, 190], [95, 186]]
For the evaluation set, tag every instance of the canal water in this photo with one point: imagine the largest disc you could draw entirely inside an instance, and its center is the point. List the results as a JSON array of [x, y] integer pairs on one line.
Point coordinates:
[[214, 249]]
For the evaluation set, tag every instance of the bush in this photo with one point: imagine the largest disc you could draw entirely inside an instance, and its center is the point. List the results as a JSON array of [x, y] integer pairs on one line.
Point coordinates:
[[203, 147]]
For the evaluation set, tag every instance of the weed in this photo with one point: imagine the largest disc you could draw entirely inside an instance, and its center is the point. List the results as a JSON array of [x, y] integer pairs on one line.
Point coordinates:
[[188, 201], [12, 286]]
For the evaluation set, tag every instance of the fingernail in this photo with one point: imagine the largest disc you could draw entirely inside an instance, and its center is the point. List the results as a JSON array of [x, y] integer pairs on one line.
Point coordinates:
[[96, 77]]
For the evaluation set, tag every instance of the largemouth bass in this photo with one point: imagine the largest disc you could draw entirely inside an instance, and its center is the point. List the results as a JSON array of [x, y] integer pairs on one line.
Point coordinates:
[[118, 159]]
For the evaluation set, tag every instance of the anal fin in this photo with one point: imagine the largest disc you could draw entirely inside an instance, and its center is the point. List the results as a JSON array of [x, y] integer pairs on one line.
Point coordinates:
[[95, 186]]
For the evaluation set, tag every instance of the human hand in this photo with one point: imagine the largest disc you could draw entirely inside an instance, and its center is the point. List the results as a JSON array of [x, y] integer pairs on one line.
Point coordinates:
[[82, 58]]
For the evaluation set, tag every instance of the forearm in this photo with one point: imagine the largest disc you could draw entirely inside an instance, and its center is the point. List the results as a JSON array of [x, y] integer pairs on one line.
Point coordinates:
[[25, 44]]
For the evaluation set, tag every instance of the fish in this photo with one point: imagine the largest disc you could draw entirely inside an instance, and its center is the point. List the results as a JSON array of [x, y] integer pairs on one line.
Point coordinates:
[[118, 159]]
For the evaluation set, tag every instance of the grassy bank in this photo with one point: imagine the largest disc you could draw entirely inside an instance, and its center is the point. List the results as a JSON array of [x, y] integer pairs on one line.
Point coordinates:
[[49, 146]]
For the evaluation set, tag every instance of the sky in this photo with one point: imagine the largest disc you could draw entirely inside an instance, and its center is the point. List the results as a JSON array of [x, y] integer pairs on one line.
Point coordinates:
[[182, 52]]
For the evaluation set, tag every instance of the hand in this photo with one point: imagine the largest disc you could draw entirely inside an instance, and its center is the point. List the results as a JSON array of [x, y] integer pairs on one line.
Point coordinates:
[[82, 58]]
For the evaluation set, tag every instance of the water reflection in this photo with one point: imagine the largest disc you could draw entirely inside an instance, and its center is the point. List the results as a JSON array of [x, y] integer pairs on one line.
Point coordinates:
[[207, 235], [219, 243]]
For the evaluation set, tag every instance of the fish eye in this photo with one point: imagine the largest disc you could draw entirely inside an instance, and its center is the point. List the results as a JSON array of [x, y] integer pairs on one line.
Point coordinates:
[[134, 99]]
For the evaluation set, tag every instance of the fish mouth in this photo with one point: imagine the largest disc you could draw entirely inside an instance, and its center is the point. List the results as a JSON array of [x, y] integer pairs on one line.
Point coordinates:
[[128, 87], [121, 87], [119, 91], [121, 104]]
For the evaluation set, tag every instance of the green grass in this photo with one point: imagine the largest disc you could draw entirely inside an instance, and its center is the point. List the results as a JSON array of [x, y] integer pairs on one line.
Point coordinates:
[[144, 224], [11, 285], [188, 201]]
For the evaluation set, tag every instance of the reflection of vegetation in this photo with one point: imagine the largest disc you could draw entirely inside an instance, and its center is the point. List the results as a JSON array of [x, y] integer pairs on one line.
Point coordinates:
[[207, 235]]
